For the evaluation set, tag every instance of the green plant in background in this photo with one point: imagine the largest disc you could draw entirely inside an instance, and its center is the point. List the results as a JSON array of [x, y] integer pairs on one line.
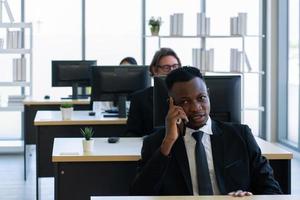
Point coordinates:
[[154, 24], [87, 132], [155, 21], [66, 105]]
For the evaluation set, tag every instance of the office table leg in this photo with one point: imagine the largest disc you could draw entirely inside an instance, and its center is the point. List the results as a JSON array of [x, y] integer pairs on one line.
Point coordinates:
[[25, 160], [282, 173]]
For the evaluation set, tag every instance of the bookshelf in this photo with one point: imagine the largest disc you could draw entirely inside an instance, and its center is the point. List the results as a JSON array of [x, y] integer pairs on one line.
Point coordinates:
[[16, 47], [201, 41]]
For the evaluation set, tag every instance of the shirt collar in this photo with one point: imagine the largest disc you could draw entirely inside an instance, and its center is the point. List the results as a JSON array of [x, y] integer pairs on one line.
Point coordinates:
[[205, 129]]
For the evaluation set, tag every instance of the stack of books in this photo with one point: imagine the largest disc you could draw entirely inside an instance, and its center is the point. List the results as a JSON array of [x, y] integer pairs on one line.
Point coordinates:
[[203, 25], [15, 100], [203, 59], [238, 25], [19, 69], [1, 43], [235, 60], [176, 24], [14, 39]]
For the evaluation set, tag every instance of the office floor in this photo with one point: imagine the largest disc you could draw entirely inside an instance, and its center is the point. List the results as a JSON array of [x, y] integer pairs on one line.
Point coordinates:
[[13, 186]]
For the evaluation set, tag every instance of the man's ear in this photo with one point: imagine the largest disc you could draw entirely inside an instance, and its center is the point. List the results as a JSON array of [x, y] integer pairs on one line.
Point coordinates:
[[208, 91]]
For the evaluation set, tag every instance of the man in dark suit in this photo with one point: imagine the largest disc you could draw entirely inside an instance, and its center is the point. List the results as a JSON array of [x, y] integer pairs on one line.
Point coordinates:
[[194, 155], [140, 116]]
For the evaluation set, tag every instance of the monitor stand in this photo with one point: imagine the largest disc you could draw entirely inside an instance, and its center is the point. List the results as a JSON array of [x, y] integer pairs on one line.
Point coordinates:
[[75, 94], [78, 97], [122, 106]]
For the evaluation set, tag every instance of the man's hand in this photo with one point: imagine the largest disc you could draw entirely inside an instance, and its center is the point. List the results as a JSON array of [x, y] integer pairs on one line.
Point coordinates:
[[175, 113], [240, 193]]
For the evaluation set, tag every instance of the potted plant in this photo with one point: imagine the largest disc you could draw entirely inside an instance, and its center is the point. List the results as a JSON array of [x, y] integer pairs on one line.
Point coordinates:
[[154, 24], [87, 142], [66, 111]]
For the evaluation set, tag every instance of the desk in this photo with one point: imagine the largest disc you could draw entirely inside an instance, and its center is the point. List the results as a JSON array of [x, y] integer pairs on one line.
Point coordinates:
[[80, 176], [32, 105], [107, 171], [280, 160], [255, 197], [50, 125]]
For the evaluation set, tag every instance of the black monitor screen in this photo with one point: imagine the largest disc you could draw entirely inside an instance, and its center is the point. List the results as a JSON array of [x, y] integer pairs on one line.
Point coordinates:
[[111, 81], [224, 95], [71, 73]]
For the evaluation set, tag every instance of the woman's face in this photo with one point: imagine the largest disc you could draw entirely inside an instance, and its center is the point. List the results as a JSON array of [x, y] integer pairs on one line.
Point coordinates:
[[165, 65]]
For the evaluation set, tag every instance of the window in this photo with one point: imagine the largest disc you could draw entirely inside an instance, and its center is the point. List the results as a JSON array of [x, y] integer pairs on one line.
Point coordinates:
[[293, 72], [288, 70], [57, 36], [113, 30]]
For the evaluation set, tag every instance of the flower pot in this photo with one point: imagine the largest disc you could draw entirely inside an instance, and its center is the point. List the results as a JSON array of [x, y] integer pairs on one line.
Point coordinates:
[[154, 30], [66, 113], [88, 145]]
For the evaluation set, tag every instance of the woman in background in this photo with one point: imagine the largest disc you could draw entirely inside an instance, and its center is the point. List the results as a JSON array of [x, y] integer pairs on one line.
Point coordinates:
[[140, 116]]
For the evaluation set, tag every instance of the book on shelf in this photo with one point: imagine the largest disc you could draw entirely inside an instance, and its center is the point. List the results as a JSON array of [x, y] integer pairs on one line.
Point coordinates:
[[19, 69], [238, 25], [235, 60], [203, 25], [203, 59], [1, 43], [16, 98], [14, 39], [176, 24], [242, 23]]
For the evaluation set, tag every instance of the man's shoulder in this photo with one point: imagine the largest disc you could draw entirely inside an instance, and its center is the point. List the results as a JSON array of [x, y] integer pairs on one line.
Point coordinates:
[[228, 125], [231, 129]]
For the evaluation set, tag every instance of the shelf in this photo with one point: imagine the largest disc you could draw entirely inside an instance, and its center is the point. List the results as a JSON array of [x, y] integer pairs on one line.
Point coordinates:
[[15, 25], [15, 51], [15, 84], [12, 108], [207, 36], [11, 146]]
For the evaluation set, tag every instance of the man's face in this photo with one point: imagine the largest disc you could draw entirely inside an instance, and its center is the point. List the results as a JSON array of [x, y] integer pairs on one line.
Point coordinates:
[[193, 98], [166, 65]]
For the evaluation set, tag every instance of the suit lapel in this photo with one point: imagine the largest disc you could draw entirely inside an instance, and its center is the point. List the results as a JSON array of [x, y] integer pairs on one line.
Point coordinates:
[[218, 158], [182, 160]]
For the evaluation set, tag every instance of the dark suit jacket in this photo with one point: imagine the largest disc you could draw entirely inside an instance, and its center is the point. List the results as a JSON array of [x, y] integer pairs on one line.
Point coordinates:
[[140, 117], [237, 161]]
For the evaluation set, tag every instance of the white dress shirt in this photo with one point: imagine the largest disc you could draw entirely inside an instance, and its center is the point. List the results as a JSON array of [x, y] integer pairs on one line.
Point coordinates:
[[190, 144]]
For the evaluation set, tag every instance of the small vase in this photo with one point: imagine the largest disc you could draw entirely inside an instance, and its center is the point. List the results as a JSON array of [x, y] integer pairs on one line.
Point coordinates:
[[88, 145], [66, 113], [154, 30]]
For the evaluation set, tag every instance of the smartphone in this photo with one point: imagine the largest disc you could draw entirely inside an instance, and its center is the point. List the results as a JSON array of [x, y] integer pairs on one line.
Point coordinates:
[[181, 123], [181, 126]]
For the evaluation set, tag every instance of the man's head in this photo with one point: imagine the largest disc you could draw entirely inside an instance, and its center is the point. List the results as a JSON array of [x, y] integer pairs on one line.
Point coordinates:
[[188, 89], [128, 61], [164, 61]]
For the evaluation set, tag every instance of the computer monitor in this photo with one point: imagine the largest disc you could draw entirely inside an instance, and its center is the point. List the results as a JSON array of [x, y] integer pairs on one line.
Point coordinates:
[[109, 82], [224, 95], [72, 73]]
